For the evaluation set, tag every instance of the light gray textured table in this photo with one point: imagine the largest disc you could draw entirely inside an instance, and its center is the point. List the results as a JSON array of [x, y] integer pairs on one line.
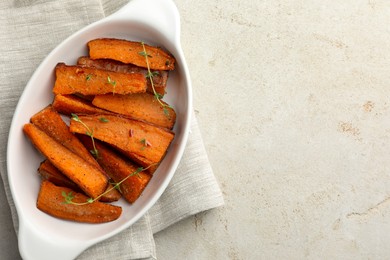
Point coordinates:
[[292, 99]]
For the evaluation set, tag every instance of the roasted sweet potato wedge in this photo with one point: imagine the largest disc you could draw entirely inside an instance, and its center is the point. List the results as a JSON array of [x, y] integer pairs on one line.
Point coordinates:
[[132, 137], [143, 106], [91, 81], [52, 124], [91, 179], [68, 104], [141, 160], [50, 121], [130, 52], [119, 168], [160, 77], [51, 200], [49, 172]]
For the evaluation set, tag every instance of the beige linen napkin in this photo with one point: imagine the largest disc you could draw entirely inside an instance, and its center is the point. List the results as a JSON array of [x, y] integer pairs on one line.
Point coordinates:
[[29, 30]]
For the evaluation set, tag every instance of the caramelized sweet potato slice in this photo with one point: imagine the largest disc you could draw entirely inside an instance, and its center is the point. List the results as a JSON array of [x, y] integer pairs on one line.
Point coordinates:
[[67, 104], [160, 77], [92, 180], [50, 121], [130, 52], [132, 137], [141, 106], [52, 124], [51, 201], [49, 172], [145, 162], [91, 81], [118, 168]]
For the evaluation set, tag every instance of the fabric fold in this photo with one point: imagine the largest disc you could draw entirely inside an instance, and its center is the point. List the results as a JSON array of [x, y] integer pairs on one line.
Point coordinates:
[[193, 188]]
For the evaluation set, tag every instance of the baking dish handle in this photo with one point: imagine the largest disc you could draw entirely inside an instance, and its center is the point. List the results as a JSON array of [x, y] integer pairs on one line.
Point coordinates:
[[162, 15], [34, 245]]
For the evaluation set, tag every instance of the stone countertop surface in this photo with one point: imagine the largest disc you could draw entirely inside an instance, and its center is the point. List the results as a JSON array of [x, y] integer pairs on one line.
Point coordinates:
[[292, 99]]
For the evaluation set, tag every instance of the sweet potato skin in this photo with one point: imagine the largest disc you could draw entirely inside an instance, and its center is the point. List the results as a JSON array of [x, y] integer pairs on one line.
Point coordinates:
[[51, 201], [129, 52], [132, 137], [160, 77], [92, 180], [142, 106], [91, 81]]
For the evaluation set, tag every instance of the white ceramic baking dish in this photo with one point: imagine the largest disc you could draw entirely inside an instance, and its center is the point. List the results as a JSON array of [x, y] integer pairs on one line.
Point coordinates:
[[41, 236]]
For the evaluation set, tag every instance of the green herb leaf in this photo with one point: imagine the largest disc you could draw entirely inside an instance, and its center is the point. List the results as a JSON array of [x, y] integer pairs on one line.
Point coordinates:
[[145, 143], [89, 132], [94, 152], [103, 120], [68, 197], [158, 96], [142, 53], [145, 54], [166, 111], [88, 77], [75, 117], [151, 74], [118, 187], [110, 81]]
